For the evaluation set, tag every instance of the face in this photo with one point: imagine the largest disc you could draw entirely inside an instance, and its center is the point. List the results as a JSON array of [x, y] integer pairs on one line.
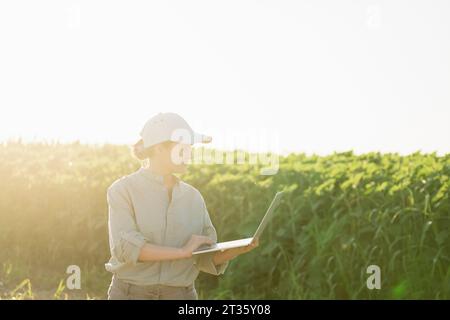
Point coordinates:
[[174, 156]]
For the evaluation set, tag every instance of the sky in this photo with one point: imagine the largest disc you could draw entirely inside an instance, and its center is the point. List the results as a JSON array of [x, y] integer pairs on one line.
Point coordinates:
[[287, 76]]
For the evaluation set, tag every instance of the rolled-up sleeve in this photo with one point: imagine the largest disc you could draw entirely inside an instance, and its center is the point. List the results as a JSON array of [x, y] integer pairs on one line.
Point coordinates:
[[124, 238], [204, 262]]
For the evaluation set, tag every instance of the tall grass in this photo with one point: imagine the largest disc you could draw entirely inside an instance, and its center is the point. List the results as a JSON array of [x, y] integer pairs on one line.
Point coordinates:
[[342, 213]]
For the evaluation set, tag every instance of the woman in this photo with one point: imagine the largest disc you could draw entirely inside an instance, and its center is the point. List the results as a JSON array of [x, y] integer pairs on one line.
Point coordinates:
[[156, 220]]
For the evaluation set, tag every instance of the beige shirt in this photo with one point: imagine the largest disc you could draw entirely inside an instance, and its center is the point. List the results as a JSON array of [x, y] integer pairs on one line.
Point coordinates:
[[140, 212]]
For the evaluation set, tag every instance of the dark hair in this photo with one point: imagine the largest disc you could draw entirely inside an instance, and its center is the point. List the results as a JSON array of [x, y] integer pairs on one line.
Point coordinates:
[[141, 153]]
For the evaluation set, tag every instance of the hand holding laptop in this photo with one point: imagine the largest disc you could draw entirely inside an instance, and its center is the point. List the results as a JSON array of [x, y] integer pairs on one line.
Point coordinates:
[[247, 248], [230, 249], [198, 241], [231, 253]]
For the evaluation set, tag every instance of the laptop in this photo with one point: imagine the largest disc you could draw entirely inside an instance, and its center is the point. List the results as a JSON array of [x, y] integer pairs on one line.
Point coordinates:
[[221, 246]]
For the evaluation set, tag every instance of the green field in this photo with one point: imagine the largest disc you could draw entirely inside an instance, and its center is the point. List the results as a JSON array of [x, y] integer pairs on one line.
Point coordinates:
[[343, 212]]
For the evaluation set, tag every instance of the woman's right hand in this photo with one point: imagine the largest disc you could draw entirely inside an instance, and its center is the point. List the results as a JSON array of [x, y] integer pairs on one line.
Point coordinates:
[[194, 242]]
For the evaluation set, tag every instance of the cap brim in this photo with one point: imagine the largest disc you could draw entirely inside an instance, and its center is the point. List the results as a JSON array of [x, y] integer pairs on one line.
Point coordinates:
[[195, 137], [201, 138]]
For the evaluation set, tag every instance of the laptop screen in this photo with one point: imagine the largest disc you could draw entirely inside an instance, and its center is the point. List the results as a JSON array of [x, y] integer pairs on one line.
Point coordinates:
[[273, 206]]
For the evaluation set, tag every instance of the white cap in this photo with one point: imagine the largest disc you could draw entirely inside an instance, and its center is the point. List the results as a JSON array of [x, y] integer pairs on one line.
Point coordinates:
[[170, 127]]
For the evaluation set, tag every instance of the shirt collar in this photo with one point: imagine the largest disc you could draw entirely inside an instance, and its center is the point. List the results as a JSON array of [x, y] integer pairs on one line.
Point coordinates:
[[156, 177]]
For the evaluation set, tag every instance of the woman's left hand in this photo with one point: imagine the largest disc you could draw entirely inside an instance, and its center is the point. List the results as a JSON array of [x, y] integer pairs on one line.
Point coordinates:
[[223, 256], [251, 246], [247, 248]]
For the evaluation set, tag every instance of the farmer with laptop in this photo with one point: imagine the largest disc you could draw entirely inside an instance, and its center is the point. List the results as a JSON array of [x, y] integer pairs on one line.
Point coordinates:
[[157, 220]]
